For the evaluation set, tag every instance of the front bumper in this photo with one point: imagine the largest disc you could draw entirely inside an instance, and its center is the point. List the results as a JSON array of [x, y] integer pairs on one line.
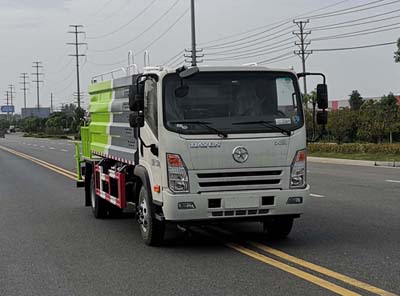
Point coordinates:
[[234, 204]]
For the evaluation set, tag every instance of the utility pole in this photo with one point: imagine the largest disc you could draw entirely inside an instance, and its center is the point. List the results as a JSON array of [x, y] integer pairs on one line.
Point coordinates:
[[193, 18], [303, 44], [11, 93], [51, 102], [192, 53], [8, 103], [24, 82], [76, 31], [38, 75]]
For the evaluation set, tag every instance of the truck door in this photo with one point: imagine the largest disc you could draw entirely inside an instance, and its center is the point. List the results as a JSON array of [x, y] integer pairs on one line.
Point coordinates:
[[149, 134]]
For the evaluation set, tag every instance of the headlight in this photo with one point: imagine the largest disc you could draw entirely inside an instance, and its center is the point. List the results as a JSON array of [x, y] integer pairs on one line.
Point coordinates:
[[298, 171], [178, 179]]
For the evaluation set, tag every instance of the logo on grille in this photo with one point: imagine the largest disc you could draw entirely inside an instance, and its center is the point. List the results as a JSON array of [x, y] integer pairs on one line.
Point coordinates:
[[240, 154]]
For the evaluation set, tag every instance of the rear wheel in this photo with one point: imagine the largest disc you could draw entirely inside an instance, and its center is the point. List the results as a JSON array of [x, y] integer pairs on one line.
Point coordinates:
[[278, 227], [151, 229], [99, 205]]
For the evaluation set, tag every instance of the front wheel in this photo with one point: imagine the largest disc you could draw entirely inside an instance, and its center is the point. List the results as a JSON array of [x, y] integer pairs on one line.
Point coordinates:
[[278, 227], [151, 229]]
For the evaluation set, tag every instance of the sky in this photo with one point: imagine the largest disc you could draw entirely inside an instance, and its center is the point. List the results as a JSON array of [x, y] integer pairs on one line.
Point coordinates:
[[37, 30]]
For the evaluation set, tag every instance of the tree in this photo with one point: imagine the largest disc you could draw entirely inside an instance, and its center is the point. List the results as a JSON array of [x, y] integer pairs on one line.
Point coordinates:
[[355, 100], [56, 123], [343, 125], [379, 119], [397, 52], [390, 114], [4, 124]]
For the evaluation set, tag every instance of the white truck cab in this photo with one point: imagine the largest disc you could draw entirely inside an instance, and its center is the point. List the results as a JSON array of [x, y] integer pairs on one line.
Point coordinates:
[[215, 144]]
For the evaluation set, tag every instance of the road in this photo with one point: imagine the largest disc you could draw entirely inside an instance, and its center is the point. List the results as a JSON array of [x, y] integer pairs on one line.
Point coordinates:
[[347, 243]]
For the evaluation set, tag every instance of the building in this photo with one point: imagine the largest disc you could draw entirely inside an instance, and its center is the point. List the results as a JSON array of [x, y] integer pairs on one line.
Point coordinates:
[[42, 112], [344, 103]]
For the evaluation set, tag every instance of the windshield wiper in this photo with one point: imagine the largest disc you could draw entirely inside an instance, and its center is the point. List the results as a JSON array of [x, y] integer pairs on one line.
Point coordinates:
[[202, 123], [267, 124]]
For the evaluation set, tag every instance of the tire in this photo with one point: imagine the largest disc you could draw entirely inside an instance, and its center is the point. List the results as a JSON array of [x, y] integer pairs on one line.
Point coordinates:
[[99, 205], [114, 211], [278, 227], [151, 229]]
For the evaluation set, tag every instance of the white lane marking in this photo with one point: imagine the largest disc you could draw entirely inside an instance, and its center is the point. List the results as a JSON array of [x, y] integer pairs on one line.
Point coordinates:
[[34, 145], [41, 146], [316, 195], [63, 150], [392, 181], [52, 148], [29, 144]]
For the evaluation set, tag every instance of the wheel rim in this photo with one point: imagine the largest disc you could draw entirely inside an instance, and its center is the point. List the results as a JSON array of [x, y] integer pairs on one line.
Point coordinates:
[[143, 217]]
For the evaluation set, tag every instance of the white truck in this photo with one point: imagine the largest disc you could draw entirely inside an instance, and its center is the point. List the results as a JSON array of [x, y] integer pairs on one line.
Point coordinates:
[[198, 145]]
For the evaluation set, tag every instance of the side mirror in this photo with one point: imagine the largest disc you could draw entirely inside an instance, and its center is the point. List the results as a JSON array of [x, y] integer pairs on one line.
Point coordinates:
[[322, 117], [322, 96], [186, 73], [136, 119], [136, 97]]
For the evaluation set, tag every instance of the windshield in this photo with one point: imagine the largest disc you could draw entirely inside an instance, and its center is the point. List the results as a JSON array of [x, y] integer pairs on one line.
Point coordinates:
[[229, 100]]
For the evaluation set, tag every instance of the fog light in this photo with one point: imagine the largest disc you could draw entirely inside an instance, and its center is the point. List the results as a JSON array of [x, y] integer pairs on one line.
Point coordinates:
[[295, 200], [186, 205]]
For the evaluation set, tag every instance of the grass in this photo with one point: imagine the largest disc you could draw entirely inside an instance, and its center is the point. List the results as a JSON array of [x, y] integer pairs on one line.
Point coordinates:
[[358, 156]]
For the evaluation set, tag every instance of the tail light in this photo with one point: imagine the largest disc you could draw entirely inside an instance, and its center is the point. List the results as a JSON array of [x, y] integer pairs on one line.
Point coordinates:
[[178, 179]]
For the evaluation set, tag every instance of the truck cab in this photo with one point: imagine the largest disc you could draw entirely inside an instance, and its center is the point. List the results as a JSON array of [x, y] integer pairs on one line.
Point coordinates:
[[201, 145]]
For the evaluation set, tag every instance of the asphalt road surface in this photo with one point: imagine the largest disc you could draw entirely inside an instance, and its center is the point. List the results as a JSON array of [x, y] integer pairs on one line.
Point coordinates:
[[347, 242]]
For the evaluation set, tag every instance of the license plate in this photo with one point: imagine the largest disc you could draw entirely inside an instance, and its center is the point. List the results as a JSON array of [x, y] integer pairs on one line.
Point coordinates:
[[242, 202]]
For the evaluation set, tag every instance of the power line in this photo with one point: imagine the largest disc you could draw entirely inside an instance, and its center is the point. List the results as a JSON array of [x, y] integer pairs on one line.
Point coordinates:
[[172, 59], [285, 55], [125, 24], [327, 27], [142, 33], [274, 23], [105, 4], [259, 41], [287, 30], [63, 67], [358, 33], [363, 23], [68, 76], [280, 59], [355, 47], [256, 54], [118, 63], [164, 32], [357, 10], [345, 9], [235, 51]]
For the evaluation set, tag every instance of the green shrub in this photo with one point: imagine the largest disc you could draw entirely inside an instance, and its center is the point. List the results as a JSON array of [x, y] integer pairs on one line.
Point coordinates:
[[354, 148]]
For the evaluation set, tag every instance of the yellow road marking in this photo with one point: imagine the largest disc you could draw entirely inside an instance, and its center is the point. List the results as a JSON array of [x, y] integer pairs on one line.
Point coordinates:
[[322, 270], [43, 163], [292, 270]]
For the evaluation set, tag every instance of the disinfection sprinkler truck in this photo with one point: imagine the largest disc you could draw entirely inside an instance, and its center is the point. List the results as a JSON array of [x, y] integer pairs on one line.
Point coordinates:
[[198, 145]]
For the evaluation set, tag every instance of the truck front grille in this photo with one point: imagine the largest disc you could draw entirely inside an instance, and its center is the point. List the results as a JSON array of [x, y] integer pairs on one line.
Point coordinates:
[[240, 180]]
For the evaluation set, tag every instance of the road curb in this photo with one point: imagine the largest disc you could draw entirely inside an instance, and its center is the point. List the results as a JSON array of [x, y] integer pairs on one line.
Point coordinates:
[[366, 163]]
